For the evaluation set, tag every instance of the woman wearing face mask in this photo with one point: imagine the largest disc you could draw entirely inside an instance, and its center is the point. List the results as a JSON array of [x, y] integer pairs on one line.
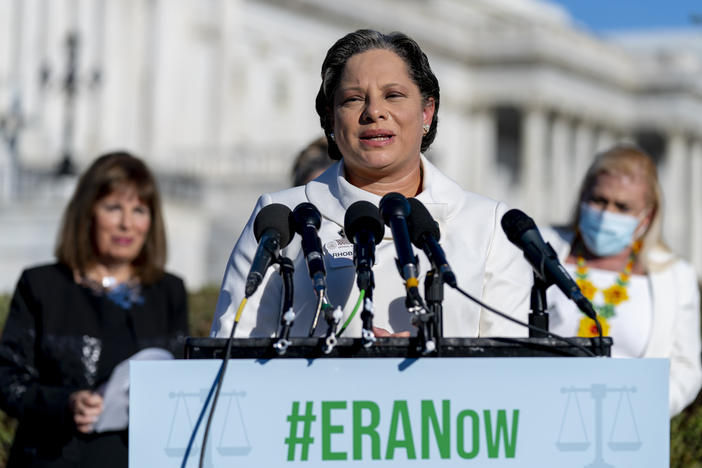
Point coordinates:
[[646, 298]]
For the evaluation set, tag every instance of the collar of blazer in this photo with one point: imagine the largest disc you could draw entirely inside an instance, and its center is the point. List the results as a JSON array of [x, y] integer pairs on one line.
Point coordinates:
[[332, 194]]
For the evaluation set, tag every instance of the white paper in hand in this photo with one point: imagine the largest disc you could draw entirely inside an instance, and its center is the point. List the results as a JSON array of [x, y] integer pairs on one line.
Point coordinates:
[[115, 393]]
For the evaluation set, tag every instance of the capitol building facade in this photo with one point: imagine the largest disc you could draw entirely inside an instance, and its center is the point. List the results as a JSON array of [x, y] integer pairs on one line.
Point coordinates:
[[218, 96]]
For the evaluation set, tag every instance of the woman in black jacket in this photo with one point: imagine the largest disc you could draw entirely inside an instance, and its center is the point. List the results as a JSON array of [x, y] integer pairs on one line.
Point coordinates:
[[72, 322]]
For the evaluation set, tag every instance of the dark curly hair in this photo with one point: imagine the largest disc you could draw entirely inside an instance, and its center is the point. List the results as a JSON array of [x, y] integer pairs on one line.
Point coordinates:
[[361, 41]]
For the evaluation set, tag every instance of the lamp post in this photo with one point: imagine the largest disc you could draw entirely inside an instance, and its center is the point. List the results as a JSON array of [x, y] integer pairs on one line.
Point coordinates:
[[66, 166], [11, 124], [12, 119]]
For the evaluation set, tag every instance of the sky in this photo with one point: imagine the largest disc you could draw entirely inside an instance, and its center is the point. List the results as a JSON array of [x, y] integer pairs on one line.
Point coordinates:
[[602, 16]]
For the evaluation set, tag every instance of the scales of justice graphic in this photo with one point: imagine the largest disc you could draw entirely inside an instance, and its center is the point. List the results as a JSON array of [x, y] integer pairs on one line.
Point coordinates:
[[624, 434], [233, 439]]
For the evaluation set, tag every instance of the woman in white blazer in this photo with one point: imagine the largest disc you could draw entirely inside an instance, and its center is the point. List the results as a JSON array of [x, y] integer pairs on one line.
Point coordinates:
[[378, 105], [647, 299]]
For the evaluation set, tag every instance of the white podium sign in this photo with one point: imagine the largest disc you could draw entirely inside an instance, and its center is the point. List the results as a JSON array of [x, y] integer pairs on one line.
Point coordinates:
[[392, 412]]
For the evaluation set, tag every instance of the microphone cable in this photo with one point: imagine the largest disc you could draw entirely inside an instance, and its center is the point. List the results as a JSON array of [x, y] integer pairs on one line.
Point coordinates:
[[361, 295], [322, 305], [522, 231], [501, 314], [599, 334], [424, 233], [318, 309], [528, 325], [216, 387], [220, 379]]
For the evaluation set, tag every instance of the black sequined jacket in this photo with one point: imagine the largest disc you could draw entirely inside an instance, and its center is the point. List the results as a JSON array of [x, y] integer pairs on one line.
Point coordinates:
[[61, 337]]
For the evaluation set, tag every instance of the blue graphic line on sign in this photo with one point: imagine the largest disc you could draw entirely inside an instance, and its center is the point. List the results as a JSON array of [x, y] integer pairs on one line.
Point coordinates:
[[405, 363]]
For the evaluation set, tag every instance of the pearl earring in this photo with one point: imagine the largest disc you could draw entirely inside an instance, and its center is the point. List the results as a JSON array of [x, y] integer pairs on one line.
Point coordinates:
[[425, 127], [331, 135]]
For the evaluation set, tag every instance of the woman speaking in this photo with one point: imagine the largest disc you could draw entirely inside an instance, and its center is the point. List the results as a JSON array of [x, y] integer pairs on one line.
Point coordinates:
[[378, 104]]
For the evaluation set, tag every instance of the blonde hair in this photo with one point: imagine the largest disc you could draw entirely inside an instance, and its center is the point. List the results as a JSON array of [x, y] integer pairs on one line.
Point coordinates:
[[630, 160]]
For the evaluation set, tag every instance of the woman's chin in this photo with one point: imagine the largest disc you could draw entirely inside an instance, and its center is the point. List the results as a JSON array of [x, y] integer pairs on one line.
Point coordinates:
[[118, 258], [376, 166]]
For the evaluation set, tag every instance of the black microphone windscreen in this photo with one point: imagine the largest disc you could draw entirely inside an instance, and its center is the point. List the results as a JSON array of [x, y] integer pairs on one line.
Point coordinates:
[[515, 223], [394, 204], [306, 214], [275, 216], [363, 215], [421, 222]]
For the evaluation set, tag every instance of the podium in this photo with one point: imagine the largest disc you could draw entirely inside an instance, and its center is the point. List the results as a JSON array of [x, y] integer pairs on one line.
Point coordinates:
[[521, 404], [311, 348]]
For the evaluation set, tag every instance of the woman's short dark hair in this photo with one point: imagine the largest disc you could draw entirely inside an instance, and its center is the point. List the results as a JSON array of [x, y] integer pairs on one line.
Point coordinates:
[[313, 158], [76, 245], [361, 41]]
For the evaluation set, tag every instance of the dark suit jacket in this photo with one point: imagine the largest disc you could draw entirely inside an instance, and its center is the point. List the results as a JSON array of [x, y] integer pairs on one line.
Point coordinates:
[[61, 337]]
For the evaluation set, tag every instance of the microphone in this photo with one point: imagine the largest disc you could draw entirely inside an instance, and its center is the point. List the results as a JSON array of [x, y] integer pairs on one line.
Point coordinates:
[[307, 222], [522, 232], [364, 227], [425, 234], [273, 228], [395, 208]]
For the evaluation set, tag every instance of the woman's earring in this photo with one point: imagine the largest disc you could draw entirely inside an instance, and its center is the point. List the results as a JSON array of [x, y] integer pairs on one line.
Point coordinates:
[[425, 127], [331, 135]]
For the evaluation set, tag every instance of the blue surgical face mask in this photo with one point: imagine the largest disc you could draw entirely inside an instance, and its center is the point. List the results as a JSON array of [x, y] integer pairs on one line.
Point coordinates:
[[606, 233]]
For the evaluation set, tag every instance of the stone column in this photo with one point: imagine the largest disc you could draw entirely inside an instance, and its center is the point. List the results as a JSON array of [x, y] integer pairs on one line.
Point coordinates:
[[675, 192], [604, 139], [13, 92], [454, 153], [149, 31], [93, 111], [6, 175], [695, 206], [584, 149], [562, 179], [217, 58], [534, 136], [482, 152]]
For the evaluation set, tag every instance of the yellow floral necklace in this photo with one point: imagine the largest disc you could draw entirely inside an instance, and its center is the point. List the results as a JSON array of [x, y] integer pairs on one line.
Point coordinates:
[[613, 295]]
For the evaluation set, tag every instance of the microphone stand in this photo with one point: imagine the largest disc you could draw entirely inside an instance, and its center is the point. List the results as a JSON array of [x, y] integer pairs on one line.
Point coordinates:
[[366, 283], [333, 317], [538, 315], [287, 270], [434, 295], [422, 319]]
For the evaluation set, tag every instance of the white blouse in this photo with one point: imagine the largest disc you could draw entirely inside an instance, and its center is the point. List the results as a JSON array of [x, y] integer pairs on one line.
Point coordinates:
[[630, 327], [486, 264]]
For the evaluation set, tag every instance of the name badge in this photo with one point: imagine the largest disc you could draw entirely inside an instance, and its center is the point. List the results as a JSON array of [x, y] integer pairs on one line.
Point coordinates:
[[339, 252]]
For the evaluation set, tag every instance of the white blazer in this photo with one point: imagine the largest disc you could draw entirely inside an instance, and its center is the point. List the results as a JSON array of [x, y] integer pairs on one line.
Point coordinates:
[[675, 332], [486, 265]]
